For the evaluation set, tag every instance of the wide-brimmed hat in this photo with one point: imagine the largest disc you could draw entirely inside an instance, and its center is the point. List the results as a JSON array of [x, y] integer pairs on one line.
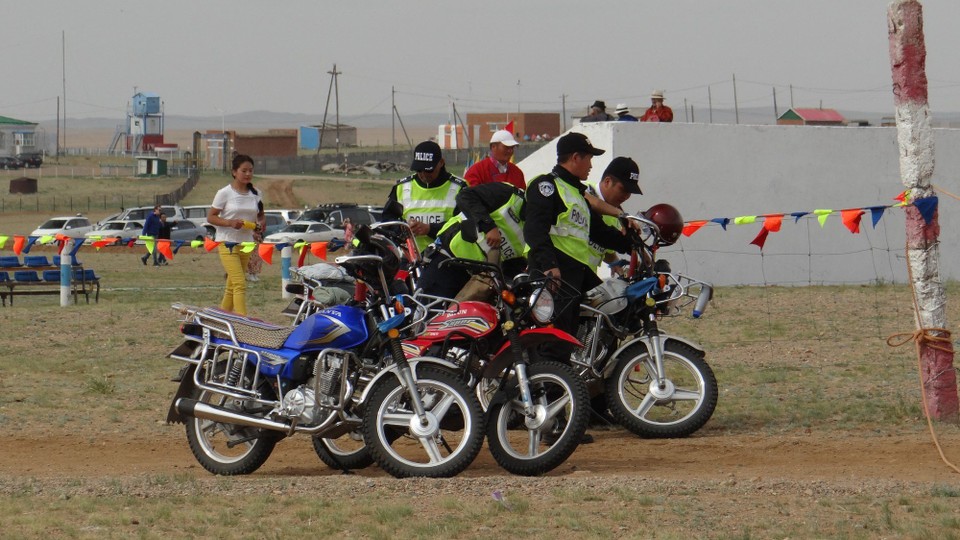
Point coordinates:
[[657, 94], [599, 105], [622, 108]]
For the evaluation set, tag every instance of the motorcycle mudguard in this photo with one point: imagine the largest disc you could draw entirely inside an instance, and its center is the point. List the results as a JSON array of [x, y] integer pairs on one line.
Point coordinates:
[[414, 362], [529, 338], [185, 390]]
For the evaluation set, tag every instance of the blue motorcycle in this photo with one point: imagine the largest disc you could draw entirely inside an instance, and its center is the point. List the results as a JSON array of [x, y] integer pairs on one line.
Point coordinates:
[[248, 384]]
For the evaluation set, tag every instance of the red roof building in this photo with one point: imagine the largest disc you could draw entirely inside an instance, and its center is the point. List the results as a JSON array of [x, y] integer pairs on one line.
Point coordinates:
[[811, 117]]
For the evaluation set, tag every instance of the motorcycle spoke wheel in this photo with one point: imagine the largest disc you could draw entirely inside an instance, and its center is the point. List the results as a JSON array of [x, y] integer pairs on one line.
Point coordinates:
[[681, 407], [537, 445], [443, 447]]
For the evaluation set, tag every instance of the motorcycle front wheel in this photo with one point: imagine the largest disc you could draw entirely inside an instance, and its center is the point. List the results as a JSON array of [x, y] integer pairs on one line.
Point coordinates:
[[227, 449], [681, 407], [535, 445], [442, 447]]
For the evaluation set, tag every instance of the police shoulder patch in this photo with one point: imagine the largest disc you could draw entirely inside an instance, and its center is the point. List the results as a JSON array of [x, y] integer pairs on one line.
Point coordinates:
[[547, 189]]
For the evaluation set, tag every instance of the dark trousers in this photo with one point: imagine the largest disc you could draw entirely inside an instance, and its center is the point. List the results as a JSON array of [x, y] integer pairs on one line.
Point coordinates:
[[578, 279], [445, 282]]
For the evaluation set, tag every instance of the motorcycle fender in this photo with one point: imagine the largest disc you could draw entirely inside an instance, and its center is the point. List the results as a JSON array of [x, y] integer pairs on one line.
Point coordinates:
[[185, 390], [414, 362], [645, 340], [529, 338]]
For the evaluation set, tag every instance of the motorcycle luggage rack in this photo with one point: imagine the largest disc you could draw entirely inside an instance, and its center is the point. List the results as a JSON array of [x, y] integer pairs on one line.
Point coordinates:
[[683, 292]]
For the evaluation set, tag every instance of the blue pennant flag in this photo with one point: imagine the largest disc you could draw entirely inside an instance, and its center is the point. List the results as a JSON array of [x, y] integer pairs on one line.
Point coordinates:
[[876, 212], [177, 245], [30, 241], [798, 215], [723, 221], [927, 206]]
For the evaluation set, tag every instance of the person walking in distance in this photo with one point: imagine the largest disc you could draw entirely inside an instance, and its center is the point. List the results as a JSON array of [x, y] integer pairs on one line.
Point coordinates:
[[236, 213], [151, 228]]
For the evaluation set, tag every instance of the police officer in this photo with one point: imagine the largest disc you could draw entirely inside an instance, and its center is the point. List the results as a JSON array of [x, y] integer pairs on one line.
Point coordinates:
[[494, 232], [620, 180], [427, 198], [559, 226]]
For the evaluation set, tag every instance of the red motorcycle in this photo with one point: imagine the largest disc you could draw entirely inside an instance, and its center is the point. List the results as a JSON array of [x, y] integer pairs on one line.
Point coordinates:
[[537, 410]]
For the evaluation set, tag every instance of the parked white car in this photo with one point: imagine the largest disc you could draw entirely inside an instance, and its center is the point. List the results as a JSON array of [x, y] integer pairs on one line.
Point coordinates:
[[72, 226], [116, 229], [307, 231]]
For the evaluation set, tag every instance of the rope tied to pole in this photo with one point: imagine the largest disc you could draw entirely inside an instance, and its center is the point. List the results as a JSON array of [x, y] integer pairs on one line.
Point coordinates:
[[924, 336]]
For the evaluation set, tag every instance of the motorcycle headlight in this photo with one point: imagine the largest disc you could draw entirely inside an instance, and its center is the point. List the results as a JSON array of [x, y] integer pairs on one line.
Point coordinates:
[[541, 306]]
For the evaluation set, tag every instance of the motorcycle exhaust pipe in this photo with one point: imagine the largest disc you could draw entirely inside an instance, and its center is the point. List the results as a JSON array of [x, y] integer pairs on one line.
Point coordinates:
[[706, 293], [205, 411]]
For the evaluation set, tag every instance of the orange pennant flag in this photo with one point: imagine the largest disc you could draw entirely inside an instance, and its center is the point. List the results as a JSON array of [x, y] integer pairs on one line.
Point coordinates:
[[164, 247], [209, 244], [692, 227], [319, 250], [772, 222], [18, 242], [266, 252], [851, 219], [101, 243], [509, 127]]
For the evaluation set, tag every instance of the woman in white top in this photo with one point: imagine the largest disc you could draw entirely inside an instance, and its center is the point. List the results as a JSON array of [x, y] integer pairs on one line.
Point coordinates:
[[237, 214]]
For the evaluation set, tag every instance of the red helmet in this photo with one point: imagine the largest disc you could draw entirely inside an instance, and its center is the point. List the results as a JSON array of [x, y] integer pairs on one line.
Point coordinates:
[[668, 219]]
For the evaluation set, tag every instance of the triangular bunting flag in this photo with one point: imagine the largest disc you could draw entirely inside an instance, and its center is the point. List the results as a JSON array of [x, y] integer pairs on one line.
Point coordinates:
[[149, 242], [3, 241], [927, 207], [723, 221], [876, 212], [303, 252], [693, 227], [179, 244], [209, 244], [163, 246], [851, 219], [266, 253], [509, 127], [30, 241], [744, 220], [247, 247], [18, 244], [761, 238], [822, 215], [797, 215], [772, 222], [197, 243], [319, 250]]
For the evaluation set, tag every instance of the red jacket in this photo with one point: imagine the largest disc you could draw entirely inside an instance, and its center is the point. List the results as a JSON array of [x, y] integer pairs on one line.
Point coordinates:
[[485, 171], [664, 115]]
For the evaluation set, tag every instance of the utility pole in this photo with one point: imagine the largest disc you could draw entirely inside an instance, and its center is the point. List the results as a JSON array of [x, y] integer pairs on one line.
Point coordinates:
[[393, 122], [791, 96], [710, 103], [563, 114], [330, 90], [776, 113], [63, 57], [934, 346], [736, 106]]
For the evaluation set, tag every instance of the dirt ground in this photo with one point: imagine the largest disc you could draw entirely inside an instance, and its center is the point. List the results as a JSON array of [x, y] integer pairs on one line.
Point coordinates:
[[808, 457]]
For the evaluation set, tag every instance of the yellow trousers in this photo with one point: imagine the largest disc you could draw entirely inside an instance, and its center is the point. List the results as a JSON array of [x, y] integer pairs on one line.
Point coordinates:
[[235, 264]]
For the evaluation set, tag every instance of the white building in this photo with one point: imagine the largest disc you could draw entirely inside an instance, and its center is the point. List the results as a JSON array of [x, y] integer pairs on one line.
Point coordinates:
[[18, 137]]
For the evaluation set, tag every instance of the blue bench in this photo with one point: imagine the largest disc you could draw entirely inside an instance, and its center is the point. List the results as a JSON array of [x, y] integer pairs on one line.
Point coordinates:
[[38, 277]]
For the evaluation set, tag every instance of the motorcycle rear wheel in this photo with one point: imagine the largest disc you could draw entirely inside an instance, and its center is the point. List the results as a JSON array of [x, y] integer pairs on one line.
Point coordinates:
[[683, 407], [345, 452], [445, 447], [227, 449], [533, 447]]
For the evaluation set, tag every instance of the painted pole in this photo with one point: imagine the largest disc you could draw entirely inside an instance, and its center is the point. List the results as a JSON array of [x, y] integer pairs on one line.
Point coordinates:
[[915, 138], [65, 272], [286, 253]]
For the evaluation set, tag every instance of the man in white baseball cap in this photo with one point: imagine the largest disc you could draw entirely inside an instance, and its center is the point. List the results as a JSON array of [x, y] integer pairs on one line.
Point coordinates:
[[623, 113], [497, 166]]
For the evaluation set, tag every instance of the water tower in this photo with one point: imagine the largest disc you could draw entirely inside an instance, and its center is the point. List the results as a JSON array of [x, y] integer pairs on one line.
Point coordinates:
[[143, 130]]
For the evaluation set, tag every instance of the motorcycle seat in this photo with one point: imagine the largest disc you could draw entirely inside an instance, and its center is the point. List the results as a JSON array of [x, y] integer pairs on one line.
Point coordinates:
[[249, 331]]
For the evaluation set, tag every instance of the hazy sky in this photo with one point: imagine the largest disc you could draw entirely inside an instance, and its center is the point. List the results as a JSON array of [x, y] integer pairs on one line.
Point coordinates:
[[213, 57]]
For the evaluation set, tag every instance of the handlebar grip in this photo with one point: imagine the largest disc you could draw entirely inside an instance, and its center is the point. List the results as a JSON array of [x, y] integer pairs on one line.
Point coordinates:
[[706, 293]]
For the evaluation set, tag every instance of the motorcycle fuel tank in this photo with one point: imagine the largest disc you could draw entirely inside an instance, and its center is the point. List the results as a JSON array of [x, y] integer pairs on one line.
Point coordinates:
[[468, 320], [339, 327]]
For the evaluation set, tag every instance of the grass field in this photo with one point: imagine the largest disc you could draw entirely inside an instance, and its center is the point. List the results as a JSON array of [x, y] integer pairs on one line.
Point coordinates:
[[798, 361]]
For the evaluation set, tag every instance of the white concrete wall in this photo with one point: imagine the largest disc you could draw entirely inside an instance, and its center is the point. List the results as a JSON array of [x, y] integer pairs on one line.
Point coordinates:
[[711, 171]]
